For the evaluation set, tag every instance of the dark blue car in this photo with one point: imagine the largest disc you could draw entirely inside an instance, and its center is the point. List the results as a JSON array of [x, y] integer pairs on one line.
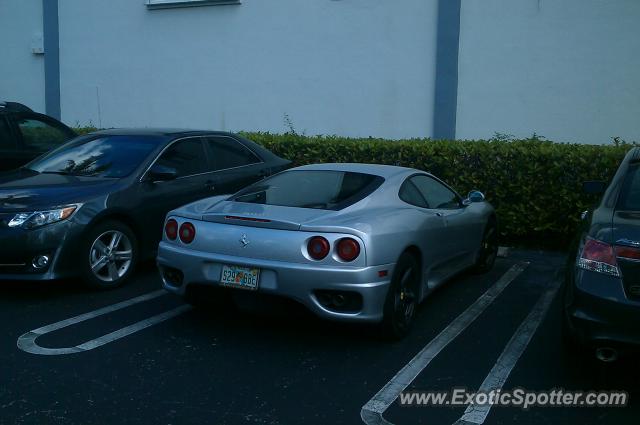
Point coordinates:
[[602, 294]]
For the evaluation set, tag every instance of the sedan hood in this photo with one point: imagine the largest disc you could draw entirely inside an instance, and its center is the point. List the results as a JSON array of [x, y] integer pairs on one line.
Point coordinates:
[[26, 190]]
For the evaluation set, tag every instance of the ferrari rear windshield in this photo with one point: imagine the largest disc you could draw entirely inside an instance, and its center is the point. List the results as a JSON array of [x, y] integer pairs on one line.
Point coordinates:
[[326, 190]]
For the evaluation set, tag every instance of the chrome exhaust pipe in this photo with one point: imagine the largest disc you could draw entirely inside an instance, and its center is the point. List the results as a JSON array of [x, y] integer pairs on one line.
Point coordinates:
[[606, 354]]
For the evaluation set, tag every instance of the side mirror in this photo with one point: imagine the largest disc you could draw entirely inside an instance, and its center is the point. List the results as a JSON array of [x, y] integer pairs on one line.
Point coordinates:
[[160, 173], [594, 187], [473, 197]]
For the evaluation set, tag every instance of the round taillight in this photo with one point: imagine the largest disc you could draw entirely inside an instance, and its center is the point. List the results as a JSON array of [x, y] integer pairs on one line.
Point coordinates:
[[187, 232], [318, 247], [348, 249], [171, 229]]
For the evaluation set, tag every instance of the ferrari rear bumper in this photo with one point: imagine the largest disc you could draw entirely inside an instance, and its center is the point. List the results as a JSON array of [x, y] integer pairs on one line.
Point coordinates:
[[307, 284]]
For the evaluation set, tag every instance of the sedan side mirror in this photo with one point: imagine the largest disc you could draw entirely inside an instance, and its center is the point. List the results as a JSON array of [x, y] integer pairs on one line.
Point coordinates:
[[594, 187], [473, 197], [160, 173]]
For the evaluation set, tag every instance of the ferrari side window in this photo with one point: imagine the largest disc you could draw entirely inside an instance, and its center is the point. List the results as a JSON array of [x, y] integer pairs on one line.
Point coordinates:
[[438, 196], [410, 194]]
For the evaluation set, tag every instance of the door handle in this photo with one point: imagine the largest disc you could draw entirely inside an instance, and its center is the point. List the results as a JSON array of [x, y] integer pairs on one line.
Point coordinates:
[[210, 185], [439, 214]]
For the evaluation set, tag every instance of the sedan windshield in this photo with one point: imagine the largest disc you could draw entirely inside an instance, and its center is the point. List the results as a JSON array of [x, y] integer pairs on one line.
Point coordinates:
[[329, 190], [108, 156]]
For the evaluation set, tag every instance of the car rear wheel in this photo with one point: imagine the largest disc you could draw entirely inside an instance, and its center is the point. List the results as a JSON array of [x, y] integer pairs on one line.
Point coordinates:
[[110, 255], [402, 299], [488, 249]]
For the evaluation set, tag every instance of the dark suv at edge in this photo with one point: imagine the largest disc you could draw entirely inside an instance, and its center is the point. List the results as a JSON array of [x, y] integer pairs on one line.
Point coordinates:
[[25, 135]]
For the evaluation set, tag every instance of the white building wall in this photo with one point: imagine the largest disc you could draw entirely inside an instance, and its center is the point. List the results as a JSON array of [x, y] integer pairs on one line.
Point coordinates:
[[568, 70], [356, 67], [21, 72]]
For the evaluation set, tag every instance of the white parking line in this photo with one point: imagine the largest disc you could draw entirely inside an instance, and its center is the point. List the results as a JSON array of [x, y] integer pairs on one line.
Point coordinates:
[[372, 411], [27, 341], [510, 356]]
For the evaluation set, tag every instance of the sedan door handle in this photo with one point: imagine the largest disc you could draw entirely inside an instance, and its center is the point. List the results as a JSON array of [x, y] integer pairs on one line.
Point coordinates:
[[439, 214]]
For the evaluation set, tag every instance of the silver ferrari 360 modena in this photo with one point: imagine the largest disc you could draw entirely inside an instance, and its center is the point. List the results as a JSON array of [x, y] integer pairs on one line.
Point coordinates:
[[354, 242]]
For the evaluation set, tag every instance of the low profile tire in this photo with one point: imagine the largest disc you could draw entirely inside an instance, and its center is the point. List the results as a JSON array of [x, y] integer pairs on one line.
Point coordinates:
[[488, 249], [402, 299], [109, 255]]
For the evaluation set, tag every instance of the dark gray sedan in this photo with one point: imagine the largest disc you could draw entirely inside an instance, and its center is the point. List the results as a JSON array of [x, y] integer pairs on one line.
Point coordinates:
[[96, 205]]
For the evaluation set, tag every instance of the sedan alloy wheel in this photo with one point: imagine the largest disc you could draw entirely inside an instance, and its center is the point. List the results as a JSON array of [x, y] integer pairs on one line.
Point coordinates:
[[110, 256]]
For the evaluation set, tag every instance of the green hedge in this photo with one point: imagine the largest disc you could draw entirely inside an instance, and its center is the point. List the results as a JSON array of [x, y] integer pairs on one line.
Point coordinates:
[[535, 185], [84, 130]]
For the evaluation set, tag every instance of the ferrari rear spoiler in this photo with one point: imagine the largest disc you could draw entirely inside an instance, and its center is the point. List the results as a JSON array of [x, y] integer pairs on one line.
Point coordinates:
[[250, 221]]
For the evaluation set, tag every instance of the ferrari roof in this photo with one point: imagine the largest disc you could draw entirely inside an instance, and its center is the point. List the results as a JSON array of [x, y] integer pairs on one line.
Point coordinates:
[[385, 171]]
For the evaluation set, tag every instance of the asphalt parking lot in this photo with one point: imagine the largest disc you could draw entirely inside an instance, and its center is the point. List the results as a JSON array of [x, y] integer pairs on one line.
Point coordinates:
[[153, 360]]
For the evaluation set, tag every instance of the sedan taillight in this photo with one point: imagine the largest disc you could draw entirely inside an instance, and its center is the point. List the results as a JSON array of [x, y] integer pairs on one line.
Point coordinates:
[[171, 229], [598, 256], [628, 253], [348, 249], [187, 232]]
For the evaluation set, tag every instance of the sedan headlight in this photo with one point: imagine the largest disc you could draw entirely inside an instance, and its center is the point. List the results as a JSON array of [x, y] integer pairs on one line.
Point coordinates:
[[31, 220]]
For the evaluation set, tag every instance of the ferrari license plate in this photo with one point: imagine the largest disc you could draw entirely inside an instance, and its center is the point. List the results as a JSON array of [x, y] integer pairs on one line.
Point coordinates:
[[240, 277]]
